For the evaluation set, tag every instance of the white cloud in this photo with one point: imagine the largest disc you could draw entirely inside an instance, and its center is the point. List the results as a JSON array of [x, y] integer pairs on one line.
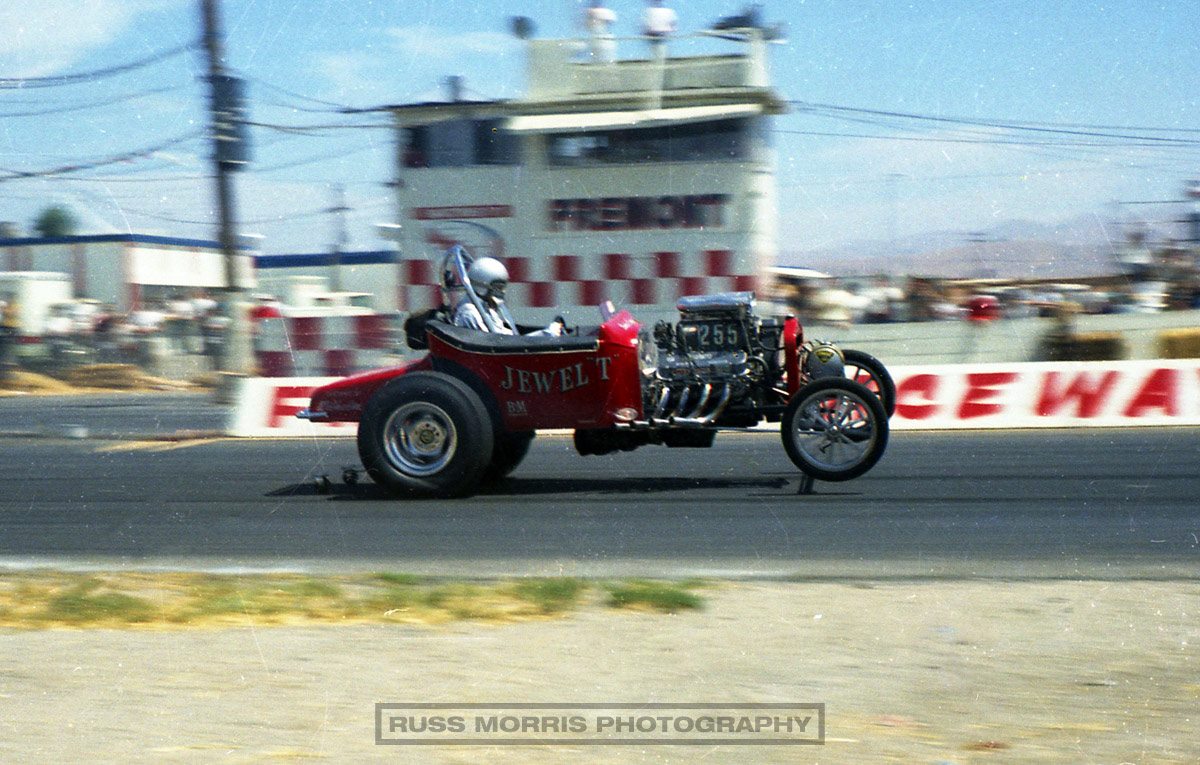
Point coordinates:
[[443, 45], [351, 77], [48, 36]]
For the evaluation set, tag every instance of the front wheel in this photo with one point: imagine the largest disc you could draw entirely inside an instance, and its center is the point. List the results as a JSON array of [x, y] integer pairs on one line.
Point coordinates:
[[425, 433], [869, 371], [834, 429]]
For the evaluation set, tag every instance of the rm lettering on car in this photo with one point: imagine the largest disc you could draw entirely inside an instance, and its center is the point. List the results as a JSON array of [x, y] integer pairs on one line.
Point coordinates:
[[517, 408]]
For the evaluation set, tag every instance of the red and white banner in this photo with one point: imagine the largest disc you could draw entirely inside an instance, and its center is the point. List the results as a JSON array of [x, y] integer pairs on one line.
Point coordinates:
[[951, 396], [1047, 395], [267, 407]]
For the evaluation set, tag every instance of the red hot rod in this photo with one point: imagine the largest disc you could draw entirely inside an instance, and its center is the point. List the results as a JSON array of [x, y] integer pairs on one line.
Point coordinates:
[[465, 414]]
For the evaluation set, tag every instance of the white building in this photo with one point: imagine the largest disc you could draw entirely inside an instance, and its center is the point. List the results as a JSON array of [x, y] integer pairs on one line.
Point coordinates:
[[127, 271], [638, 180], [364, 279]]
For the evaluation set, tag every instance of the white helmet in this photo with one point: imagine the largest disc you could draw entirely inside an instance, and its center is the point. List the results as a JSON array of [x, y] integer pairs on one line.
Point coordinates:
[[488, 277]]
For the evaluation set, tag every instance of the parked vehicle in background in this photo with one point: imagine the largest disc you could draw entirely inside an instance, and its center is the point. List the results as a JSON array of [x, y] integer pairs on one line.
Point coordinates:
[[34, 293]]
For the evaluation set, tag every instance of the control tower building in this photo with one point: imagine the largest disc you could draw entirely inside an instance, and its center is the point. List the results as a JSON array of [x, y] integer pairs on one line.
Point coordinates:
[[637, 180]]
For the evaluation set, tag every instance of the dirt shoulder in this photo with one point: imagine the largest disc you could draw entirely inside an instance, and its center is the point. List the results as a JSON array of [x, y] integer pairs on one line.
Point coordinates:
[[93, 378], [935, 672]]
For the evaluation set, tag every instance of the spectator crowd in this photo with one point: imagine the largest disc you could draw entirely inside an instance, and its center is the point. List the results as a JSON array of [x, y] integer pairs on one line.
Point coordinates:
[[880, 299], [88, 331]]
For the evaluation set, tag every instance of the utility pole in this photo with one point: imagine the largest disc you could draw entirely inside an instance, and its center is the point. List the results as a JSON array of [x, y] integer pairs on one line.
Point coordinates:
[[224, 101], [341, 235]]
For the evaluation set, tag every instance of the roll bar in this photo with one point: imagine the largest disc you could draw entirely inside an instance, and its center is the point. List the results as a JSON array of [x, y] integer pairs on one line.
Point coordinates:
[[455, 263]]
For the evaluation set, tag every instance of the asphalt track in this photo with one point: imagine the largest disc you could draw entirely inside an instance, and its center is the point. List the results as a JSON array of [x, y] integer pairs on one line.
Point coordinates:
[[1100, 503]]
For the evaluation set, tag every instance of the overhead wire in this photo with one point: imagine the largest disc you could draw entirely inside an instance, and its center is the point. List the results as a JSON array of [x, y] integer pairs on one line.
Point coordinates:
[[951, 139], [95, 74], [318, 158], [129, 156], [1037, 137], [213, 219], [315, 130], [263, 221], [333, 107], [93, 104], [1067, 144], [1071, 129]]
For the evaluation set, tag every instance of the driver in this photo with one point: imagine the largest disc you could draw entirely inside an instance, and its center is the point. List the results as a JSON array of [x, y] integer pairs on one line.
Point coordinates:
[[488, 278]]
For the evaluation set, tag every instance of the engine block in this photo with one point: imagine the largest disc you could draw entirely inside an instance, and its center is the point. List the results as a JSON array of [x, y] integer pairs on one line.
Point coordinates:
[[716, 359]]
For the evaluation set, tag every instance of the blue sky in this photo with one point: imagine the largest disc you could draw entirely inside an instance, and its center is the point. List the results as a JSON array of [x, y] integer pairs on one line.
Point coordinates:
[[1090, 67]]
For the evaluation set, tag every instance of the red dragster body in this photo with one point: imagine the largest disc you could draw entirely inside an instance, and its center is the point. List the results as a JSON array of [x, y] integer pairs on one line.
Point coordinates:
[[465, 414]]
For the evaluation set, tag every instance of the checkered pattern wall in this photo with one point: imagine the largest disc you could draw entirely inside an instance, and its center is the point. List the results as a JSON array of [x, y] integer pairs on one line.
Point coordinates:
[[566, 281], [324, 346]]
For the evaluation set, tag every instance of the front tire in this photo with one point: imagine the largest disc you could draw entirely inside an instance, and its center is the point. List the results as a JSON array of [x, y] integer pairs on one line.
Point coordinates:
[[834, 429], [865, 369], [426, 433]]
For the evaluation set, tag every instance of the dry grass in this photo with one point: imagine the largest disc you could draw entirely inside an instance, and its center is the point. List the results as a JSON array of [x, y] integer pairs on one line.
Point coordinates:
[[51, 599], [119, 377], [18, 382], [93, 378]]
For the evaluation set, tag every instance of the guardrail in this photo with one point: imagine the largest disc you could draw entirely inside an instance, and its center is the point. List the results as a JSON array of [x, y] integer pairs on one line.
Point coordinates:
[[1047, 395], [1004, 340], [929, 397]]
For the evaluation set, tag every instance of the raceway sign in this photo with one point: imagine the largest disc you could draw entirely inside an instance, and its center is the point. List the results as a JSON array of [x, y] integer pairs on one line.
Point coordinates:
[[952, 396], [1048, 395], [267, 406]]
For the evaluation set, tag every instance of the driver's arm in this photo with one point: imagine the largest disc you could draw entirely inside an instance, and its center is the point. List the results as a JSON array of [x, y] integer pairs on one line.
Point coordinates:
[[467, 315]]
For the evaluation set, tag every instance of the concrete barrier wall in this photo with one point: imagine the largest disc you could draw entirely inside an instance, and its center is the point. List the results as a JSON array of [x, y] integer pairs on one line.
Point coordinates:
[[1005, 340], [929, 397], [1064, 394], [267, 407]]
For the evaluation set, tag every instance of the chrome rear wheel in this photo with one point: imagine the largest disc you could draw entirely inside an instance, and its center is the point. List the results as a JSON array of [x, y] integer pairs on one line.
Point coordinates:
[[420, 438], [426, 433]]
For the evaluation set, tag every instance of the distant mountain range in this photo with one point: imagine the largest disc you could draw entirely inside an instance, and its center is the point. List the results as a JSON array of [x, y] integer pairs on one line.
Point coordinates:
[[1082, 246]]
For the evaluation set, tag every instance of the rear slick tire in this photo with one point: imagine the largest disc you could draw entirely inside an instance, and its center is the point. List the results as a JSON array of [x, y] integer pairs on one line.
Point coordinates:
[[834, 429], [507, 452], [426, 433]]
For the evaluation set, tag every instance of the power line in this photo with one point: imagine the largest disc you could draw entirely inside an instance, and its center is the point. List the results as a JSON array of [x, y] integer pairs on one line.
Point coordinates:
[[999, 140], [76, 167], [334, 107], [318, 158], [212, 220], [1090, 131], [94, 104], [1070, 150], [269, 220], [95, 74], [311, 130], [134, 179], [132, 176], [165, 218]]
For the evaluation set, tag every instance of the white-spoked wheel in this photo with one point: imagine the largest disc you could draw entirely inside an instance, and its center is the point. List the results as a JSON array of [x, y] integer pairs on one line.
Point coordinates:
[[834, 429], [869, 371]]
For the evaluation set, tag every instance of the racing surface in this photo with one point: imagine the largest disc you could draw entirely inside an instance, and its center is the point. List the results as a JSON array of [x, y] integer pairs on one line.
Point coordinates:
[[111, 415], [1010, 504]]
